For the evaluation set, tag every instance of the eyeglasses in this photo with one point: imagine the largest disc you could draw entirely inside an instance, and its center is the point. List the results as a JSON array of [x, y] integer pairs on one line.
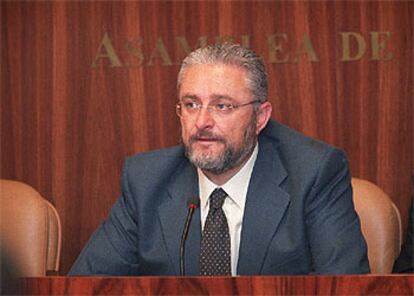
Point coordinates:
[[191, 108]]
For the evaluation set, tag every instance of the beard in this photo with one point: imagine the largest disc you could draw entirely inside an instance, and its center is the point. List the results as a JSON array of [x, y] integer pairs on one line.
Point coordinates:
[[229, 158]]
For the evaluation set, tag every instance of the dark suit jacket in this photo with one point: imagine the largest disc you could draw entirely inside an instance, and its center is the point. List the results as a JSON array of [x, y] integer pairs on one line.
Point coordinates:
[[299, 216]]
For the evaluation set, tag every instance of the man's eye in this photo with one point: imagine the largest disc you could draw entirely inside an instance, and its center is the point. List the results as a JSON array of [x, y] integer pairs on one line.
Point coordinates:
[[223, 107], [191, 105]]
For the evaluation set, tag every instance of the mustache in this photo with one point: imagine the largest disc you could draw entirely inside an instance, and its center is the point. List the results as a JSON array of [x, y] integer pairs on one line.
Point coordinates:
[[206, 134]]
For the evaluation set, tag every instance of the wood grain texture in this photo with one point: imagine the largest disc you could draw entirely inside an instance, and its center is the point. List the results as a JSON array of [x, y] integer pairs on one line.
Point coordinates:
[[66, 126], [243, 285]]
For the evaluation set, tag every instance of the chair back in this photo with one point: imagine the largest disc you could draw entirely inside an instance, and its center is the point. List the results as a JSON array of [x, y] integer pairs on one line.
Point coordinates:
[[380, 224], [30, 230]]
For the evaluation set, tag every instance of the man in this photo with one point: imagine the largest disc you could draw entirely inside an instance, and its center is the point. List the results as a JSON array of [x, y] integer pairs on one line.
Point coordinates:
[[272, 201]]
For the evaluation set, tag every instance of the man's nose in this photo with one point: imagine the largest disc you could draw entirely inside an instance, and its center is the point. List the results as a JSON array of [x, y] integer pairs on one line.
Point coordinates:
[[204, 119]]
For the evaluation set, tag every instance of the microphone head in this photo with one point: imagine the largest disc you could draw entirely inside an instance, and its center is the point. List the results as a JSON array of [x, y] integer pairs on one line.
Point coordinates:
[[193, 202]]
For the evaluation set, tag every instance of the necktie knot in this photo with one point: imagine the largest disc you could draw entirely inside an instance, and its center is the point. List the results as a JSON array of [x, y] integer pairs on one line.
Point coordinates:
[[217, 198]]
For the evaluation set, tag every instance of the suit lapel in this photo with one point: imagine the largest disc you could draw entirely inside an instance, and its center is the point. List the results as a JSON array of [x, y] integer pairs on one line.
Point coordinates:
[[266, 204], [172, 214]]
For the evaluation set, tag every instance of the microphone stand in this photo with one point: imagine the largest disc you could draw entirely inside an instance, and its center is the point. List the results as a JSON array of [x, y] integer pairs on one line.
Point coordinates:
[[192, 205]]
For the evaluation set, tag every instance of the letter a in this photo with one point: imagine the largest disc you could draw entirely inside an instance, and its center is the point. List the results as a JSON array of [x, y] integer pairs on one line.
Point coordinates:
[[106, 51]]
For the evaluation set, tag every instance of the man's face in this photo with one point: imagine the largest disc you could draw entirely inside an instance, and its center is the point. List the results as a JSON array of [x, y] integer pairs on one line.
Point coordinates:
[[216, 142]]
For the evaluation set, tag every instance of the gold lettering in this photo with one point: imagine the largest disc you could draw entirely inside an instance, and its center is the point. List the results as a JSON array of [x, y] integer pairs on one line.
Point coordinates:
[[186, 49], [245, 41], [107, 53], [306, 47], [346, 46], [161, 51], [136, 52], [378, 45], [182, 41], [224, 39], [275, 45]]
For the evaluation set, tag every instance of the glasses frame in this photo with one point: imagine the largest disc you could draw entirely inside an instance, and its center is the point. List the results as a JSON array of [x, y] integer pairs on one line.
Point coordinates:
[[212, 110]]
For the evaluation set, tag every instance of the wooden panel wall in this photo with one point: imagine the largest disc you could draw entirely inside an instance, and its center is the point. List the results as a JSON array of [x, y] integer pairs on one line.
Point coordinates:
[[339, 71]]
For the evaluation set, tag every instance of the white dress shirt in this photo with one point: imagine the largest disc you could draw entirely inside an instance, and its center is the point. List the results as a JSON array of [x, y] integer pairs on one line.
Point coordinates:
[[233, 207]]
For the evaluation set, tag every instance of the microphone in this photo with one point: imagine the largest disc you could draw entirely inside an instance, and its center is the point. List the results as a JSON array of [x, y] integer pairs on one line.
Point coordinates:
[[192, 204]]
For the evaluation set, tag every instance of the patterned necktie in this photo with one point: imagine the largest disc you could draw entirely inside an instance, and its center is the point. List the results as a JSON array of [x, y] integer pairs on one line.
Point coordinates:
[[215, 244]]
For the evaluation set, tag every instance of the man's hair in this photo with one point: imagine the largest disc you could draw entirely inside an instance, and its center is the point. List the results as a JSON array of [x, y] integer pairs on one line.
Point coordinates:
[[231, 54]]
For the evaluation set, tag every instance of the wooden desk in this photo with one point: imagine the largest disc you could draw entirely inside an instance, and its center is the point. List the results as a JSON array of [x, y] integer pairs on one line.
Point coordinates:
[[243, 285]]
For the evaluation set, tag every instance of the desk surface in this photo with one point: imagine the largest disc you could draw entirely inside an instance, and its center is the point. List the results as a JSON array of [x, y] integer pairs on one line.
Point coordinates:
[[246, 285]]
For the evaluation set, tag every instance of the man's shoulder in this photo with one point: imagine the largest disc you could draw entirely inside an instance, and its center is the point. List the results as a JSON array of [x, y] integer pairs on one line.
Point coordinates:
[[298, 150], [156, 160], [292, 141], [165, 153]]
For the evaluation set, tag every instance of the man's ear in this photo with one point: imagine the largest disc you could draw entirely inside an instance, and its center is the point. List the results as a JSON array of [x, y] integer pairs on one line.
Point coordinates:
[[263, 116]]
